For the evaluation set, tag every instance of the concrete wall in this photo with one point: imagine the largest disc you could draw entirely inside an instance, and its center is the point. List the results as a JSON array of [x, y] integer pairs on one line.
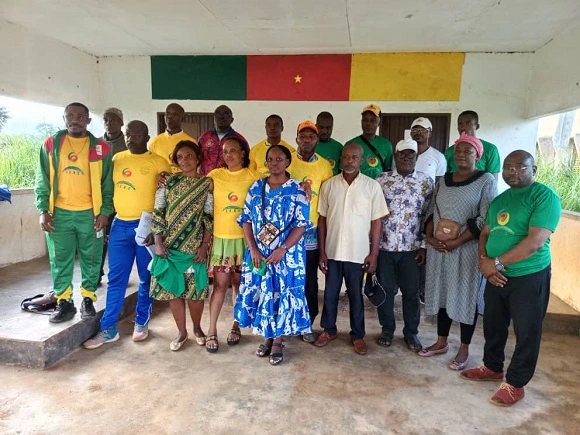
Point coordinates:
[[43, 70], [555, 83], [565, 245], [495, 85], [20, 236]]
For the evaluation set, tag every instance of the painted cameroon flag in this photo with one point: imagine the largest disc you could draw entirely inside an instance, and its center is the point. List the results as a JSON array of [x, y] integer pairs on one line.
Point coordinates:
[[309, 77]]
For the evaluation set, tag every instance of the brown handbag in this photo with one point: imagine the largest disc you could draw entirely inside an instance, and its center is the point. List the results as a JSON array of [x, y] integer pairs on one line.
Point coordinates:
[[447, 229]]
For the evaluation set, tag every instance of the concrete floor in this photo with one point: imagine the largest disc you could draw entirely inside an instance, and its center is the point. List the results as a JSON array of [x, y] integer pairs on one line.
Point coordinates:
[[144, 388]]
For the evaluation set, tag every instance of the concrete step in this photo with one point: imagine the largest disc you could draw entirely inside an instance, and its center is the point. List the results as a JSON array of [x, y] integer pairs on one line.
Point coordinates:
[[28, 339]]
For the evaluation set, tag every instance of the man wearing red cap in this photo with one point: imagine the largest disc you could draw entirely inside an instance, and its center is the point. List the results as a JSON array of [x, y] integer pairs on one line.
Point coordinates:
[[378, 151], [309, 167]]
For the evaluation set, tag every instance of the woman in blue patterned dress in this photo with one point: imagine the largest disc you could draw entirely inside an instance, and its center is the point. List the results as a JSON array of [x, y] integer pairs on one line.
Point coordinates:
[[271, 298]]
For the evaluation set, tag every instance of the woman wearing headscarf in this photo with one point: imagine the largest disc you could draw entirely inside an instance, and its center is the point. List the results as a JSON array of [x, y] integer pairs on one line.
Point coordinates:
[[458, 209]]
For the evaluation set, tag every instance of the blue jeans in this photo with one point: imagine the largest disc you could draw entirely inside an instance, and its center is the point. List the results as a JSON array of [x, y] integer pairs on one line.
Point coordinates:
[[352, 273], [123, 251]]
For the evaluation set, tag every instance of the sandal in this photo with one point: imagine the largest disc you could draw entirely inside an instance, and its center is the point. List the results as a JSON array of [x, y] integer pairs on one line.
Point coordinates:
[[209, 339], [276, 357], [385, 340], [201, 340], [236, 332], [263, 350], [455, 365]]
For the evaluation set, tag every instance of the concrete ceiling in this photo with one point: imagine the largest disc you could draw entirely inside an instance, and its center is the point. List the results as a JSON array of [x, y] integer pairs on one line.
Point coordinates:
[[153, 27]]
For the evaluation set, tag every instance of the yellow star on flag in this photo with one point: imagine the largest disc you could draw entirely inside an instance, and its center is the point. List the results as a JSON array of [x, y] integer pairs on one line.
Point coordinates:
[[297, 79]]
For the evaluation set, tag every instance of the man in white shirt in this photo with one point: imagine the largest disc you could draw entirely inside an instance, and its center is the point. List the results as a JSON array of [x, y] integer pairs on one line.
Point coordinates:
[[351, 206], [429, 160]]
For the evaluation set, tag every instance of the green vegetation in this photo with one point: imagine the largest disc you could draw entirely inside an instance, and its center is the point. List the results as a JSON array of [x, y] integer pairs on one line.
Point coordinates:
[[19, 156], [565, 181]]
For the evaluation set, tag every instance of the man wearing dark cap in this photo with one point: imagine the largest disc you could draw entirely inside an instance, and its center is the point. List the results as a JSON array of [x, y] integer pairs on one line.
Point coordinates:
[[212, 140], [378, 151], [113, 120]]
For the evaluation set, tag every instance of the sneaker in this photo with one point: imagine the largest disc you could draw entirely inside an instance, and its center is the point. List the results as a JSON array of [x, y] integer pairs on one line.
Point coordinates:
[[309, 337], [482, 374], [507, 395], [140, 332], [87, 308], [106, 336], [64, 311]]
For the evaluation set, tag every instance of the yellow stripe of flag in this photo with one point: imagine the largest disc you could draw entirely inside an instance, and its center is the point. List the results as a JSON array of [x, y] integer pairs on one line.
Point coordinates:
[[406, 76]]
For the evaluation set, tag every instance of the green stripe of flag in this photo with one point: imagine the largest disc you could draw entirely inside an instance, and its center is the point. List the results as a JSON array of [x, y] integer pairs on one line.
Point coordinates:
[[198, 77]]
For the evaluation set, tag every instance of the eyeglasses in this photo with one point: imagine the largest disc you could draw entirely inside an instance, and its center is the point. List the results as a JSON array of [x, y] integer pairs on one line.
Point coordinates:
[[514, 168]]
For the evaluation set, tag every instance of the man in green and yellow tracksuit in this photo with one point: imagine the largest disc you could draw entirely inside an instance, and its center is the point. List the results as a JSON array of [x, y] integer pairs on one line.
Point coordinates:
[[74, 196]]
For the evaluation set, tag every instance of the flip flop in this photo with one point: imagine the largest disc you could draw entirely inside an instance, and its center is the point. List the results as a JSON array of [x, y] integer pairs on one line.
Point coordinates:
[[457, 365], [428, 353]]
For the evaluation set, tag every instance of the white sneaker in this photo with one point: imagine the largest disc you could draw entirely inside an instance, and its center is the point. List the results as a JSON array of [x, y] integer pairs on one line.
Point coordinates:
[[141, 332]]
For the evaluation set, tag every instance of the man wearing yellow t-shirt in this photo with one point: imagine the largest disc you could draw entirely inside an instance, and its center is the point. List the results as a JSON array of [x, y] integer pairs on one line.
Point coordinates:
[[135, 173], [74, 192], [313, 169], [274, 129], [163, 144]]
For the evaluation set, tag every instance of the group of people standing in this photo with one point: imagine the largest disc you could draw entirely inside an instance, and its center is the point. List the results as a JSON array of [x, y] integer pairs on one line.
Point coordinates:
[[263, 221]]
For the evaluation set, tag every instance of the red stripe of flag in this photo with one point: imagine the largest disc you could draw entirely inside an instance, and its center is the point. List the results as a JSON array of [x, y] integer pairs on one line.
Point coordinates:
[[308, 77]]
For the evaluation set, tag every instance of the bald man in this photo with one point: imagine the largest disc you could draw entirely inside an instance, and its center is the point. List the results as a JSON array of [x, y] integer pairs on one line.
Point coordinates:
[[164, 143], [211, 141], [351, 206], [514, 250]]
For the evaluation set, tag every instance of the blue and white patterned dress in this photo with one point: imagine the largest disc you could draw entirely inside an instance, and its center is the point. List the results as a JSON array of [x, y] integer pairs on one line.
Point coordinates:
[[275, 304]]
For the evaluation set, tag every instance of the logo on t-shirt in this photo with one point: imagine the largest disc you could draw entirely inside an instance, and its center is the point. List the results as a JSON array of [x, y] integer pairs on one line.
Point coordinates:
[[503, 217], [125, 185], [126, 172], [73, 170], [309, 181], [372, 161], [232, 197], [72, 157]]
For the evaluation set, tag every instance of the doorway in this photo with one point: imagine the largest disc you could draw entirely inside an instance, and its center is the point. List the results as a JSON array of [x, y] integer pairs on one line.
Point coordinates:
[[393, 126], [194, 123]]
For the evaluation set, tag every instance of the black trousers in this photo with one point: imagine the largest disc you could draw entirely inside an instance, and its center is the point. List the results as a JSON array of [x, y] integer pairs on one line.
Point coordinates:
[[399, 270], [352, 273], [524, 299], [444, 325], [311, 288]]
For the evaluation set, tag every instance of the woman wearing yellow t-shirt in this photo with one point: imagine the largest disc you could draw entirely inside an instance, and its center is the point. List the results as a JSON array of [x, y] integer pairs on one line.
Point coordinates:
[[230, 187]]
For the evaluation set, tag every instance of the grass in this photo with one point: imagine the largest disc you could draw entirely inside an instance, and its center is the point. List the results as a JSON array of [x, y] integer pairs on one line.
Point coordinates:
[[18, 159], [565, 181]]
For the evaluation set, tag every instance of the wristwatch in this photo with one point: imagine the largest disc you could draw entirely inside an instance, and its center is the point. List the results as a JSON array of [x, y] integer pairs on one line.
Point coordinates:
[[284, 247], [42, 212], [498, 265]]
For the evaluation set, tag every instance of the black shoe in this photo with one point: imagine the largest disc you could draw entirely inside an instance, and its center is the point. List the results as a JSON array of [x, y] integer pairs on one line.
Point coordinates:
[[87, 308], [63, 312], [413, 343]]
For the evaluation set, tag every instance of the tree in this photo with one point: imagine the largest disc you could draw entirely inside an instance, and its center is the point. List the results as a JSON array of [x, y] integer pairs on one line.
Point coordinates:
[[4, 117]]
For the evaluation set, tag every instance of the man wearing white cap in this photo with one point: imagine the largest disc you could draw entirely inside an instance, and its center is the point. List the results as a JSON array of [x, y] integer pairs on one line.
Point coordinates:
[[429, 160], [402, 248]]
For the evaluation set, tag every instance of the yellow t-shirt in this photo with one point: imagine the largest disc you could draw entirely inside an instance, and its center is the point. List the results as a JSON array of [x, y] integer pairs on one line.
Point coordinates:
[[74, 178], [315, 173], [163, 144], [135, 178], [258, 156], [229, 193]]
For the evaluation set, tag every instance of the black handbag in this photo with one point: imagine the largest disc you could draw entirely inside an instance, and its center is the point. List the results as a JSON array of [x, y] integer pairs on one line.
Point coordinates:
[[373, 290]]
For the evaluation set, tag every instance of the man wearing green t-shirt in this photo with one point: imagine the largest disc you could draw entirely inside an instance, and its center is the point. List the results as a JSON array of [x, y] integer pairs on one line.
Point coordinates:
[[327, 147], [378, 151], [468, 123], [514, 250]]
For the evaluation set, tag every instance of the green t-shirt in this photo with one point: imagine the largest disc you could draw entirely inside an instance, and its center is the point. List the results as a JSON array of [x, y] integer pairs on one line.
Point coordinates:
[[330, 151], [371, 165], [510, 216], [489, 161]]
